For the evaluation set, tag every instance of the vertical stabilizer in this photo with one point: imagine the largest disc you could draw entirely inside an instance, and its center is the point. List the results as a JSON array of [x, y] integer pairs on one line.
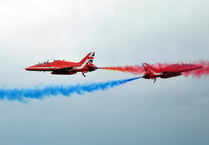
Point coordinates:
[[88, 58]]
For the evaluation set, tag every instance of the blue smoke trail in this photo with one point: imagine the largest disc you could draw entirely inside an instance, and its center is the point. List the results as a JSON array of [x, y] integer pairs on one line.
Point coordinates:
[[40, 93]]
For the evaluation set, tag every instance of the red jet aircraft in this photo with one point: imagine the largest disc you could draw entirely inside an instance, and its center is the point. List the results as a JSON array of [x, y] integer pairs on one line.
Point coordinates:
[[168, 71], [62, 67]]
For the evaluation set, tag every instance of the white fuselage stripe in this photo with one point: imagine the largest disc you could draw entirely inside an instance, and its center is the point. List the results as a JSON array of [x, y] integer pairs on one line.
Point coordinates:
[[82, 66]]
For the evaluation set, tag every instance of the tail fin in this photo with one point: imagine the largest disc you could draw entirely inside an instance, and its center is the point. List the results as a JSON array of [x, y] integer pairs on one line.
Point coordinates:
[[148, 67], [88, 58]]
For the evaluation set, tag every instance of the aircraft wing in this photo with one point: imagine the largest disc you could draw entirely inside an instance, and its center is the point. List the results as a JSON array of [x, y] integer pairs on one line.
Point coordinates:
[[181, 67], [190, 69]]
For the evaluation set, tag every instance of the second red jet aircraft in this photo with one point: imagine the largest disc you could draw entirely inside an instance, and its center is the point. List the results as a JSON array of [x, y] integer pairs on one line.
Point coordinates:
[[168, 71]]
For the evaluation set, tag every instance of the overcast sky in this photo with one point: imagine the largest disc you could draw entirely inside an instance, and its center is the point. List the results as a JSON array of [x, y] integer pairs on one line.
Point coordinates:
[[121, 32]]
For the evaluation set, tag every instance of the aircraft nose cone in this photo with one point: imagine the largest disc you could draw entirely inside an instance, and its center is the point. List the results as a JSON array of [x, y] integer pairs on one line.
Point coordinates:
[[29, 68]]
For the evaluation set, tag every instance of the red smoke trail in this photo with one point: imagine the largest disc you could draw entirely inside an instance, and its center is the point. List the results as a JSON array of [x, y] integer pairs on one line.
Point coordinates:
[[136, 69], [199, 72], [163, 67]]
